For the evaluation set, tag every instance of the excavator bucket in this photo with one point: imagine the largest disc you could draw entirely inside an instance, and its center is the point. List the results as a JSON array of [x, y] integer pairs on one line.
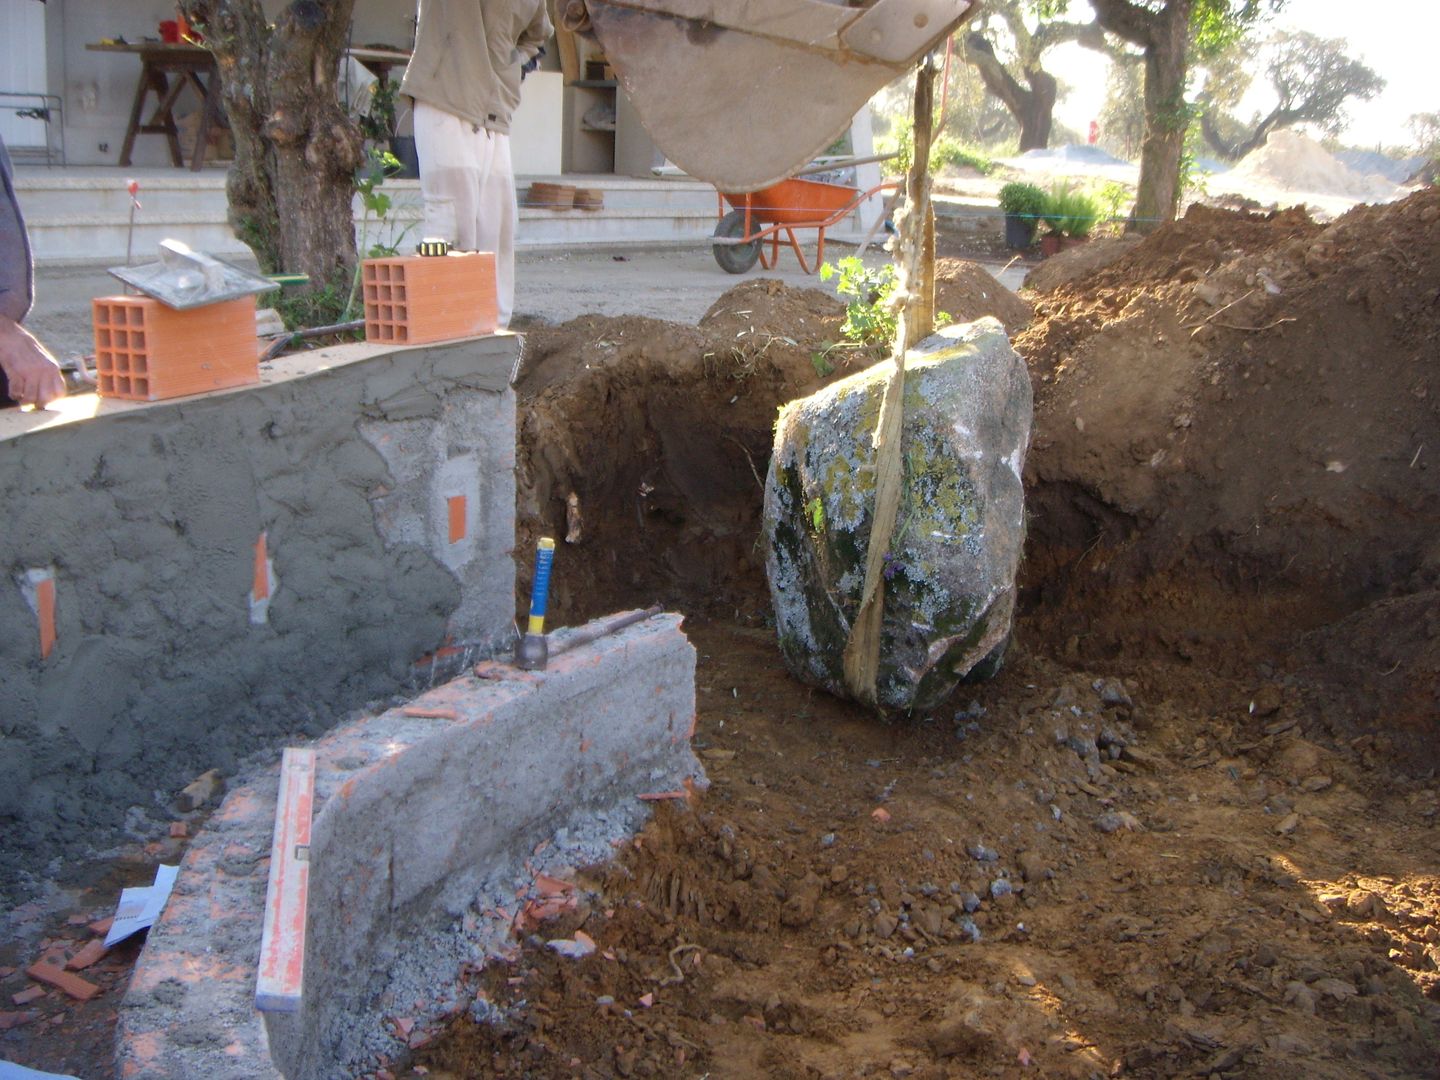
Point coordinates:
[[741, 93]]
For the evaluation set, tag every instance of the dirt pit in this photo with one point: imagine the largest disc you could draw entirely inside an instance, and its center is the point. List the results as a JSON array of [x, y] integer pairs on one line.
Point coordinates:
[[1189, 830], [1191, 827]]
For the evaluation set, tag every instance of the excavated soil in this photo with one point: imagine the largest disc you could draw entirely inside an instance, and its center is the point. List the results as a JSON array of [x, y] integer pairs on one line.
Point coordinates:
[[1189, 830], [1191, 827]]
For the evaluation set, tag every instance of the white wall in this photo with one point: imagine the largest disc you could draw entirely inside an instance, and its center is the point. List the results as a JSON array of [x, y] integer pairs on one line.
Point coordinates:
[[535, 130], [99, 87]]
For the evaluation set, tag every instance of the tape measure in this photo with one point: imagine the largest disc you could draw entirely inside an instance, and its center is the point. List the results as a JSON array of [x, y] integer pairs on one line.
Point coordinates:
[[432, 246]]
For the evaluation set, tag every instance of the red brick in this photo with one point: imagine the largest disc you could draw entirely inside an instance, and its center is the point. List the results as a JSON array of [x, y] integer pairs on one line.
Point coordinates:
[[58, 977], [101, 926], [413, 299], [146, 351], [179, 830], [93, 950], [29, 994]]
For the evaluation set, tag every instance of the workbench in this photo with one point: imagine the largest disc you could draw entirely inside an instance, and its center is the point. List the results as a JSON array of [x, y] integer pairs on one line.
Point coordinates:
[[165, 70]]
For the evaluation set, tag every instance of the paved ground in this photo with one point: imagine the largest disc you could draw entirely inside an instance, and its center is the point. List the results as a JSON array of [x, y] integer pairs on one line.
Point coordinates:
[[674, 284]]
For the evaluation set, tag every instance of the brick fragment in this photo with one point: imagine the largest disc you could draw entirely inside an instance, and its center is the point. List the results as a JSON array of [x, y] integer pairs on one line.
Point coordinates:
[[179, 830], [101, 926], [92, 951], [420, 713], [29, 994], [58, 977], [10, 1020]]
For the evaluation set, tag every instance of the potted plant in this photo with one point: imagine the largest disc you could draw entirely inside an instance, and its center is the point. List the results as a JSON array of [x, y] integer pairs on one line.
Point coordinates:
[[1069, 217], [1022, 205], [379, 125]]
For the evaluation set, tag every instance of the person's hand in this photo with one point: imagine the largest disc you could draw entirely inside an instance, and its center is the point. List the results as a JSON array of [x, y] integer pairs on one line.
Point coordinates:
[[31, 371]]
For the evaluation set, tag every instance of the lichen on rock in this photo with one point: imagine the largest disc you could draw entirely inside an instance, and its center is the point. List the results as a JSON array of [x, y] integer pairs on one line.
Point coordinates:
[[951, 563]]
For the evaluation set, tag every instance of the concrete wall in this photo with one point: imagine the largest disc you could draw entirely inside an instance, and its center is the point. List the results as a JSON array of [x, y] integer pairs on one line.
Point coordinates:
[[433, 824], [382, 483]]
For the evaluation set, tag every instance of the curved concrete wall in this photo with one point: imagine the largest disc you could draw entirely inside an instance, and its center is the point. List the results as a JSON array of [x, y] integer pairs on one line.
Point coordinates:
[[426, 825]]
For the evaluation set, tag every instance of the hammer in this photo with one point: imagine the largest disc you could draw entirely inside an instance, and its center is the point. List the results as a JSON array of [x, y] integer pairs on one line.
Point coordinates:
[[531, 651]]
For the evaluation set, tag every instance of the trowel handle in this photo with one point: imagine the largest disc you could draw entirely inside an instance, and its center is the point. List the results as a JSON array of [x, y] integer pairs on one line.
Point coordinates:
[[540, 588]]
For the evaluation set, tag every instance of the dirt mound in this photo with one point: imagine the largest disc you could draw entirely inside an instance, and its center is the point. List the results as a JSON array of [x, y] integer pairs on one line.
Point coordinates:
[[966, 292], [661, 433], [643, 444], [1289, 161], [1232, 427], [1078, 263]]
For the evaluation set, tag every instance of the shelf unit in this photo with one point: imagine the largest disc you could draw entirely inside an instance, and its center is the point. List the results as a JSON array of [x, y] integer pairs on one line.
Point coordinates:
[[625, 149]]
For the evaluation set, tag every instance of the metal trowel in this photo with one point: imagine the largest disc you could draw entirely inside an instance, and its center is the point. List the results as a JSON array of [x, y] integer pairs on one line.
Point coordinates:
[[185, 278]]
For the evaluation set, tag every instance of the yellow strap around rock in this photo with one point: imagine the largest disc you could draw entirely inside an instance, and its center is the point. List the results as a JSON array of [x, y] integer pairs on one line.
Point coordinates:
[[916, 322]]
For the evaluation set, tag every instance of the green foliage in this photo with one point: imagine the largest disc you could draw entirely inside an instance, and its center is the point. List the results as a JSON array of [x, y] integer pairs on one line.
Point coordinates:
[[1192, 178], [1425, 127], [1070, 212], [379, 164], [324, 306], [1115, 200], [1023, 200], [377, 123], [944, 150], [869, 315], [948, 150], [1215, 25]]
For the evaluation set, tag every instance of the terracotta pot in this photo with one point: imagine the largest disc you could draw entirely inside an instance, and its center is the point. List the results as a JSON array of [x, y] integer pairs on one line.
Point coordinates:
[[1050, 244]]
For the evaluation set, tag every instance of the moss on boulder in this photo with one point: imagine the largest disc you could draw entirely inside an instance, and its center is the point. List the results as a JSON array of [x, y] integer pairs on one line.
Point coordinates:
[[951, 564]]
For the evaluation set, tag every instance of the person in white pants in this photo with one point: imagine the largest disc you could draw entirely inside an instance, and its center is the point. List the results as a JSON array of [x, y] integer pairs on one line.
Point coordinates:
[[464, 74], [469, 192]]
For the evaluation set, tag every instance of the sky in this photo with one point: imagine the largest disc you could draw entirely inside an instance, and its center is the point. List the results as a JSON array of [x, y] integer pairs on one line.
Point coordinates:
[[1397, 38]]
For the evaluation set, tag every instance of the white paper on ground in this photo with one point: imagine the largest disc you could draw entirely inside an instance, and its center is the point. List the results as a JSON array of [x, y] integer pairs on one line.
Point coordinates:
[[141, 906]]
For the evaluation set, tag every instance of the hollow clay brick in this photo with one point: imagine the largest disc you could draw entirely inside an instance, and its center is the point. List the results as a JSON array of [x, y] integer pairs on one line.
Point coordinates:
[[413, 299], [147, 351]]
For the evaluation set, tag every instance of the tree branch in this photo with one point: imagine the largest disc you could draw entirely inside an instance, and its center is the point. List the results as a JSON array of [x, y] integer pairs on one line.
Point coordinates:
[[1123, 19]]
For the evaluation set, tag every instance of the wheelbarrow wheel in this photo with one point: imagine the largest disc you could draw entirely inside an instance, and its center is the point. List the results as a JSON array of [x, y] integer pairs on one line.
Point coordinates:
[[735, 258]]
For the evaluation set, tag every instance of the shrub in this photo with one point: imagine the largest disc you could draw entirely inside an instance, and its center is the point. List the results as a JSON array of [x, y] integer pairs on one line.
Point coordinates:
[[1022, 200], [1070, 212]]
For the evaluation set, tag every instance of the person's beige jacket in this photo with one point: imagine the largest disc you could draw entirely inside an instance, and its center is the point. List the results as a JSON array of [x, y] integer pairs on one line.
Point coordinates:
[[468, 54]]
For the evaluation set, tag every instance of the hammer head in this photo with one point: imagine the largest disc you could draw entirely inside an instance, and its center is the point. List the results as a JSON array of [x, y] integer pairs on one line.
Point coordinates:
[[532, 652]]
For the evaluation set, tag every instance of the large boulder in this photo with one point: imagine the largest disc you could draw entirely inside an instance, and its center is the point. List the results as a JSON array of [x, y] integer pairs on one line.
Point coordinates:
[[950, 569]]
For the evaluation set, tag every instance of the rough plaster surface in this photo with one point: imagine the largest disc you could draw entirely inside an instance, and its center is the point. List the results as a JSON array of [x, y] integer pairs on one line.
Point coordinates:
[[149, 517], [423, 840]]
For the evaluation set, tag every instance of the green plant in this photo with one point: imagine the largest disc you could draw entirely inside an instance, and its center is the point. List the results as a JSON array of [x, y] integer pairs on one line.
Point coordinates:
[[368, 182], [324, 306], [948, 150], [944, 150], [869, 315], [1115, 199], [1069, 212], [377, 123], [1022, 200]]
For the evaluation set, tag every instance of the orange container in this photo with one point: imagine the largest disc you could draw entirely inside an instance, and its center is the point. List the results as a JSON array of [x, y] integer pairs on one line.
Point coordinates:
[[795, 202], [414, 299], [147, 351]]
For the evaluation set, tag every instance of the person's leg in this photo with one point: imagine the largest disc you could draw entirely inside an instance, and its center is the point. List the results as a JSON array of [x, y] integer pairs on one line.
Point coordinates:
[[449, 175], [497, 216]]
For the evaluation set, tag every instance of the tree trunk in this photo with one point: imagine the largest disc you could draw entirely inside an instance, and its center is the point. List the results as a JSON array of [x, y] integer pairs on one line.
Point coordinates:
[[296, 151], [1166, 118], [1164, 35], [1033, 108], [1037, 110]]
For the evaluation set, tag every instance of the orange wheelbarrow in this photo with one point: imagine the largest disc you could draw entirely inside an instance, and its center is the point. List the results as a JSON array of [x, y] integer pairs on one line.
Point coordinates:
[[758, 216]]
